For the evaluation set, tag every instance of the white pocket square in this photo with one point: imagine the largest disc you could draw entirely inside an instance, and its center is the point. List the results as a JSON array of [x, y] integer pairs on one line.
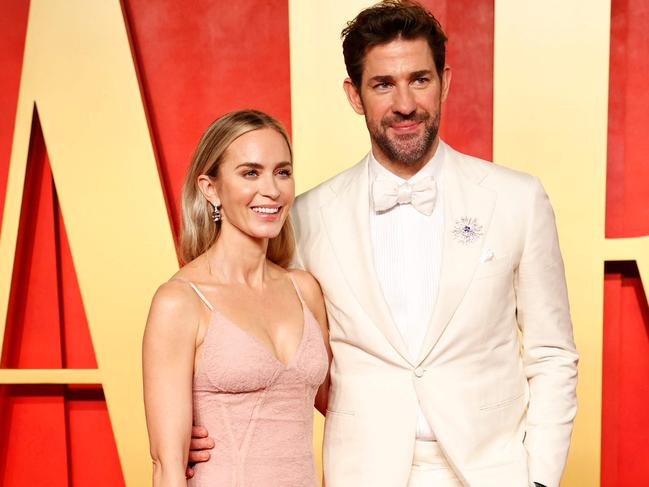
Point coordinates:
[[486, 256]]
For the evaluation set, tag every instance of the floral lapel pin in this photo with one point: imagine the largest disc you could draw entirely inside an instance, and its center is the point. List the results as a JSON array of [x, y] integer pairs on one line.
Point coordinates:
[[467, 230]]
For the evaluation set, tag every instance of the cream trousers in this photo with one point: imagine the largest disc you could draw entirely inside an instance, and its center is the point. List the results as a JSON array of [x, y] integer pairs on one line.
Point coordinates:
[[429, 467]]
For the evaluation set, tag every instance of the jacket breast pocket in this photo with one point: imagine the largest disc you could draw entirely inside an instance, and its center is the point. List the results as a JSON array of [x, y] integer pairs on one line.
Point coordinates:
[[493, 267]]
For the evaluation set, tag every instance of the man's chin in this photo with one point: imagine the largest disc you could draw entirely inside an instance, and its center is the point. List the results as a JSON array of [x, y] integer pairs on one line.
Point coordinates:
[[410, 149], [403, 149], [408, 156], [409, 161]]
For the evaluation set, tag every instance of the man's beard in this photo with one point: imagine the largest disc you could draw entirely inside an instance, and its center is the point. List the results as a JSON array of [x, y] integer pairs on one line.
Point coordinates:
[[407, 149]]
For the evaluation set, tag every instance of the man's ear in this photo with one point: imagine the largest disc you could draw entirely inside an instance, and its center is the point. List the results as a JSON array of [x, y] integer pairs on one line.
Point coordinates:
[[446, 81], [208, 187], [353, 96]]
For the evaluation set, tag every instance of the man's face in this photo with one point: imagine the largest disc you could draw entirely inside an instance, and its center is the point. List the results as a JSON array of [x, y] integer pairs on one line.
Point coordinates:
[[400, 96]]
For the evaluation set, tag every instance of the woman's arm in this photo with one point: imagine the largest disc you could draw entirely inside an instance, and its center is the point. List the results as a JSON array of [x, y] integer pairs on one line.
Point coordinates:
[[312, 294], [168, 361]]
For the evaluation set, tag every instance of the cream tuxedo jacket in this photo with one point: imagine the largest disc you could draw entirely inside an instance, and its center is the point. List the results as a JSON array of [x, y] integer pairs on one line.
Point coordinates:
[[497, 372]]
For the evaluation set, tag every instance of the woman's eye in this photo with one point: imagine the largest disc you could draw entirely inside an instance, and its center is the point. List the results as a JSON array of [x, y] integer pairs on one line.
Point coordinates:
[[250, 173], [285, 172]]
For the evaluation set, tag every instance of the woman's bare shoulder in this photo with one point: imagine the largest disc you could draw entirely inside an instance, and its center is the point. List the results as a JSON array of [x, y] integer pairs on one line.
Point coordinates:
[[174, 294], [177, 291], [174, 306], [304, 278], [309, 286]]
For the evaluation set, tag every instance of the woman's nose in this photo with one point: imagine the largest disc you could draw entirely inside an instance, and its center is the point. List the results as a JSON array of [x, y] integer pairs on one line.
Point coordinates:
[[268, 187]]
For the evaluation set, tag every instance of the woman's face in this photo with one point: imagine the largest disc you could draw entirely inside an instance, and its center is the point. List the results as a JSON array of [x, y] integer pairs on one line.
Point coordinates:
[[255, 185]]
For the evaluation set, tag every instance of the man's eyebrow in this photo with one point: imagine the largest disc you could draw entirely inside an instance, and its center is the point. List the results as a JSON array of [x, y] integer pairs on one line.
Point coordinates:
[[421, 73], [381, 79], [389, 79]]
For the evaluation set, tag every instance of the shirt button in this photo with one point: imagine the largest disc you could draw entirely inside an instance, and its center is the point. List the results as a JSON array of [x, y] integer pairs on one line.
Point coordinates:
[[419, 372]]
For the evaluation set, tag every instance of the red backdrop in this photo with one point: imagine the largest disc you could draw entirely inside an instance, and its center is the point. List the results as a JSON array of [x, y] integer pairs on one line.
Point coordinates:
[[625, 381]]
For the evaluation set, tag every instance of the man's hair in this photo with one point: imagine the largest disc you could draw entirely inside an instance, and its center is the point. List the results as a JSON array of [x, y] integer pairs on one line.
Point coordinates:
[[385, 22]]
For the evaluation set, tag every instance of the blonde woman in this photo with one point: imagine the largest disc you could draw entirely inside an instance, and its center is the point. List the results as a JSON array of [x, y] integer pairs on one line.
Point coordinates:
[[235, 341]]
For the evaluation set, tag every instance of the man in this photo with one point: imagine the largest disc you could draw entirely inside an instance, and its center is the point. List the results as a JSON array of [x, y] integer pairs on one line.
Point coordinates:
[[454, 362]]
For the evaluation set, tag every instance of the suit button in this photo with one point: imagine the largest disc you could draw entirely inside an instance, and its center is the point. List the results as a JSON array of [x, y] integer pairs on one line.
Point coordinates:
[[419, 372]]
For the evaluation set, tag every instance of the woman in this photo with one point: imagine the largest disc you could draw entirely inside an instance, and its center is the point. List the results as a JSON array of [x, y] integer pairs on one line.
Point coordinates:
[[235, 341]]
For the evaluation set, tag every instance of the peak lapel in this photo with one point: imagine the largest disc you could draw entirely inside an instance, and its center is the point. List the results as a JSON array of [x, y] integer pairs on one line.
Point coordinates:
[[463, 198], [346, 220]]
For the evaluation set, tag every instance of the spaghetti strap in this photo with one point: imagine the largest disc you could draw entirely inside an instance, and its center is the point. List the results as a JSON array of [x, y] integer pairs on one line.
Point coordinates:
[[201, 295], [297, 289]]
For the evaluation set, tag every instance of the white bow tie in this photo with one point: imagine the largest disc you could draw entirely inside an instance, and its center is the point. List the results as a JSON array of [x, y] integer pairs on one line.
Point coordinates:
[[387, 194]]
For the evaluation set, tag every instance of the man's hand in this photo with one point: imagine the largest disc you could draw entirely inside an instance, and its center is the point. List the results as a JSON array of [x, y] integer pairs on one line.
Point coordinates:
[[198, 448]]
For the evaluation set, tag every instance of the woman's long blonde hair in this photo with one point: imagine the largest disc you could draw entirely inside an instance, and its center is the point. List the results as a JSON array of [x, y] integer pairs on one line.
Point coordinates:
[[198, 231]]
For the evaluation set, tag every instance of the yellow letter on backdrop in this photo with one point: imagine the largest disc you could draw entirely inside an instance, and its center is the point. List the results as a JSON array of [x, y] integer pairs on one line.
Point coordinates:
[[79, 72]]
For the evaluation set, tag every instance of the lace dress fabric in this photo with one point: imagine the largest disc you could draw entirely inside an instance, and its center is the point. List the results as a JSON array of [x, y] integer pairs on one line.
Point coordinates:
[[258, 410]]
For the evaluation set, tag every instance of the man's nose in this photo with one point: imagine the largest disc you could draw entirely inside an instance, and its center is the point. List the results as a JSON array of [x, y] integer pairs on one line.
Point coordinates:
[[404, 101]]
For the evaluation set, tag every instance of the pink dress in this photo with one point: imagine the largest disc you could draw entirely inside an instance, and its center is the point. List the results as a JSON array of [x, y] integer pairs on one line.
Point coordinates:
[[258, 410]]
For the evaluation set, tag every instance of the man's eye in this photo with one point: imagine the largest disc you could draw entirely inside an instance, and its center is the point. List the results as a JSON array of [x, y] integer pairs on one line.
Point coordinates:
[[421, 81], [382, 86]]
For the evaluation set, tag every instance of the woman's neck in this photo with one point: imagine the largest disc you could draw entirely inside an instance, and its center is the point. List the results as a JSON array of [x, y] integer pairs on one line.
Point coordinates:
[[238, 258]]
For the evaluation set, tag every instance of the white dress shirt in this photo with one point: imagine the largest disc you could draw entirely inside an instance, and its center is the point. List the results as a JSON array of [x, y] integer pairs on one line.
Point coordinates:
[[407, 251]]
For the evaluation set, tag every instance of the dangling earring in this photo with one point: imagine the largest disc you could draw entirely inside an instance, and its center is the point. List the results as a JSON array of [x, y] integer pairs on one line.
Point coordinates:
[[216, 214]]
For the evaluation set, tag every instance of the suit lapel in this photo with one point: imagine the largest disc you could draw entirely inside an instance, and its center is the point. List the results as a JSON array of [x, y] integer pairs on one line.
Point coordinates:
[[463, 198], [346, 219]]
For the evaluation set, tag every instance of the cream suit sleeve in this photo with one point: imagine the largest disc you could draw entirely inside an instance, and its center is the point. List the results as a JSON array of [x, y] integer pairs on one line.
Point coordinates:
[[296, 260], [549, 354]]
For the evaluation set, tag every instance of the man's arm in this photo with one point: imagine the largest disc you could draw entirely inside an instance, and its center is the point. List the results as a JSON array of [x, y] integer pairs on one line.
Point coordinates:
[[549, 354], [296, 261]]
